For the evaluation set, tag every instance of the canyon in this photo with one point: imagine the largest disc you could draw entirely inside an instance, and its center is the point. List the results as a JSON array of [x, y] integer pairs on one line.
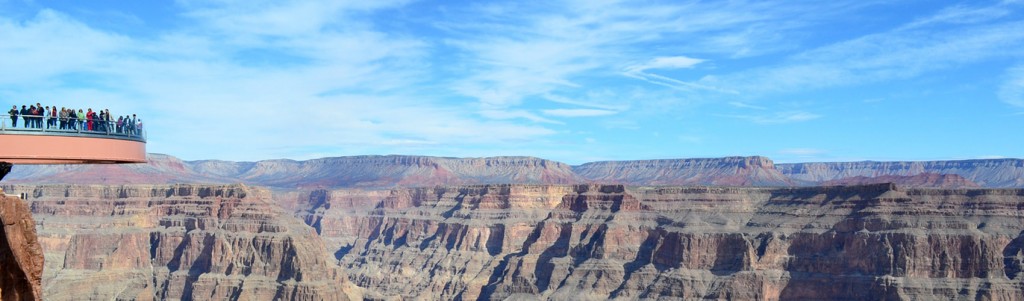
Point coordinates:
[[415, 171], [510, 228], [177, 242], [525, 241]]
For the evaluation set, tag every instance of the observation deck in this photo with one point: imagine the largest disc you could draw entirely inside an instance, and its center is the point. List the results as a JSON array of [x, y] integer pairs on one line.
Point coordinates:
[[51, 145]]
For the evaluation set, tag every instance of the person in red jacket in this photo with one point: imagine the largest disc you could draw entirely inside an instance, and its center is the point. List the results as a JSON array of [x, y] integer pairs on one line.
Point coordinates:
[[89, 116]]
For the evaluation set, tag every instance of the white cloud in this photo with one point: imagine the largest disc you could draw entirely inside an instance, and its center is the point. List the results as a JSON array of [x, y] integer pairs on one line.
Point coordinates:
[[672, 62], [743, 105], [778, 117], [578, 112], [1012, 90]]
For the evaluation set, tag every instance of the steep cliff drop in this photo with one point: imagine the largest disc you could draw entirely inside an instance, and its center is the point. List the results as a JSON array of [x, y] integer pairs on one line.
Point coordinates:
[[601, 242], [178, 242], [21, 258]]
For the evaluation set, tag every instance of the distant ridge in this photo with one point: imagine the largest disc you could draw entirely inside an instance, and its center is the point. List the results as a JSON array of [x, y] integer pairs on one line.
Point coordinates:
[[728, 171], [420, 171], [923, 180], [993, 173], [355, 171]]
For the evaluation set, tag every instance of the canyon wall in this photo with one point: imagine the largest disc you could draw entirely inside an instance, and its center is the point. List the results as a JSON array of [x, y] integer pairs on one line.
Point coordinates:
[[187, 242], [578, 242], [355, 171], [418, 171], [1005, 173], [21, 258], [729, 171]]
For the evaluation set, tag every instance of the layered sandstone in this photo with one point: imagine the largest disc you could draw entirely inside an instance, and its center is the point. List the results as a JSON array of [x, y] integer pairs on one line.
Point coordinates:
[[21, 258], [613, 242], [187, 242], [728, 171]]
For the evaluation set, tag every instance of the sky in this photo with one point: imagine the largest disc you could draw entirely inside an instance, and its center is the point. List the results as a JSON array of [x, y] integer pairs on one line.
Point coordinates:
[[572, 81]]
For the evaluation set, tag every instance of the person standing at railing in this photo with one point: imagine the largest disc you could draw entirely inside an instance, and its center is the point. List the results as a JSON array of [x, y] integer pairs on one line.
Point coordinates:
[[24, 116], [14, 116], [108, 122], [63, 115], [81, 120], [90, 116], [52, 122], [40, 112], [72, 120], [33, 111], [138, 128]]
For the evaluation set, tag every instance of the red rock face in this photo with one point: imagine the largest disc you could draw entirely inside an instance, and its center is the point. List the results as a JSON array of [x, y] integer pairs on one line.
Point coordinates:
[[924, 180], [178, 242], [604, 242], [21, 258]]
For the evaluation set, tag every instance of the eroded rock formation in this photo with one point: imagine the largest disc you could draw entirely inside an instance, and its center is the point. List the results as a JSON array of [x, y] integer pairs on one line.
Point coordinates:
[[187, 242], [21, 258], [612, 242]]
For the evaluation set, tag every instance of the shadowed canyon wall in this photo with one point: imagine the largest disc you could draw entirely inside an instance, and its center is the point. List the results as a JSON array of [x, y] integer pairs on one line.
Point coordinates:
[[600, 242], [21, 258]]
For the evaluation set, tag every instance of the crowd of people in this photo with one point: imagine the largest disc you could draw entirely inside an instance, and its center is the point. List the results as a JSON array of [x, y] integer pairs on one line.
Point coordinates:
[[34, 116]]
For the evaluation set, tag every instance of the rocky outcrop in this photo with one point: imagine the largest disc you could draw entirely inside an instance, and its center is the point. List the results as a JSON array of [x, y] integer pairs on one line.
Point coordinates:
[[21, 258], [187, 242], [729, 171], [924, 180], [995, 173], [597, 242]]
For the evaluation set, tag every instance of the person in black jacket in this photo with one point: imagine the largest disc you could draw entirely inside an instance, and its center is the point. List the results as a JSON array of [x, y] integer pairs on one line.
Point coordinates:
[[24, 116], [14, 116]]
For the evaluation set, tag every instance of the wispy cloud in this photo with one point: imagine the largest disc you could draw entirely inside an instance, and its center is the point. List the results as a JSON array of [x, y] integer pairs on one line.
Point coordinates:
[[578, 112], [919, 48], [743, 105], [778, 117], [1012, 89]]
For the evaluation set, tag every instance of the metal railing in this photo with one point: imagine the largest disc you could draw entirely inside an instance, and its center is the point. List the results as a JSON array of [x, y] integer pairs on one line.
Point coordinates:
[[51, 126]]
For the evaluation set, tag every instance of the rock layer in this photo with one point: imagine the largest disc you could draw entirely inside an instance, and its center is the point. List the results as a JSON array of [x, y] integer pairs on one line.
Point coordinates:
[[184, 242], [613, 242], [21, 258]]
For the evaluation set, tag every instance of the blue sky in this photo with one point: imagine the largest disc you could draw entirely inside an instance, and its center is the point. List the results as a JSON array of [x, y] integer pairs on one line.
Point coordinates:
[[573, 81]]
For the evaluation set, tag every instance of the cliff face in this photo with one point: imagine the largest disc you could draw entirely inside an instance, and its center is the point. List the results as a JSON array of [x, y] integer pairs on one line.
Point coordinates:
[[21, 258], [185, 242], [613, 242], [729, 171], [987, 173], [924, 180]]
